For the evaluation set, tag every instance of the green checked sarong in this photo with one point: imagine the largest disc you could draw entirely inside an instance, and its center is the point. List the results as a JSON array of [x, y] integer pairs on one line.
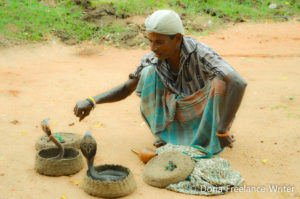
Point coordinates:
[[181, 120]]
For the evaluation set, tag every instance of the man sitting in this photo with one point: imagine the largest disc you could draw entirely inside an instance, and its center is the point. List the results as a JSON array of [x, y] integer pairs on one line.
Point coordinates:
[[189, 94]]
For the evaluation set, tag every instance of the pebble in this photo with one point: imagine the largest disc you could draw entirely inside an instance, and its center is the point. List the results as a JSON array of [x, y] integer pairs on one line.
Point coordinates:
[[273, 6]]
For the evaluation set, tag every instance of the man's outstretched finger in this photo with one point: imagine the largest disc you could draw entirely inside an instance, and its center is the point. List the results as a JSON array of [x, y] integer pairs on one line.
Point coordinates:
[[85, 113], [79, 113]]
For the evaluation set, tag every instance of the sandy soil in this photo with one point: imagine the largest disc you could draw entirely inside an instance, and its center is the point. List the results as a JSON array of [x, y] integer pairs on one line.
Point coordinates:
[[46, 80]]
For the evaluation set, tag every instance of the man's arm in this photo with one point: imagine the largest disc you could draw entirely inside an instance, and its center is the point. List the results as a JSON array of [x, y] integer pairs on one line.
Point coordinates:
[[118, 93], [235, 89], [84, 107]]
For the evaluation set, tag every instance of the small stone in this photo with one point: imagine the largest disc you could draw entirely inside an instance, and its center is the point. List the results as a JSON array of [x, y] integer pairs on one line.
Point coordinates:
[[275, 142], [261, 141], [273, 6]]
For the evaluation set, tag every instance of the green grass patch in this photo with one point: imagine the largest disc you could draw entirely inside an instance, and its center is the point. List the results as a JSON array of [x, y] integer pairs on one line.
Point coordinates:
[[35, 21], [32, 20], [29, 19], [256, 10]]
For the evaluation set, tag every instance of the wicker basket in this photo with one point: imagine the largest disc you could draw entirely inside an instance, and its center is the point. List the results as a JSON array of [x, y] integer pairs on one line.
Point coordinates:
[[109, 189], [71, 163], [71, 140], [156, 174]]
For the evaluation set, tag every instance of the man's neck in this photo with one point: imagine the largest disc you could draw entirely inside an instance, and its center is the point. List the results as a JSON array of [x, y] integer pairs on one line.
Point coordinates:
[[174, 61]]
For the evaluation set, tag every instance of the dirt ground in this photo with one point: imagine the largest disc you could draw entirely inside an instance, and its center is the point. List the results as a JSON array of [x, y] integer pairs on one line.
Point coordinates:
[[46, 80]]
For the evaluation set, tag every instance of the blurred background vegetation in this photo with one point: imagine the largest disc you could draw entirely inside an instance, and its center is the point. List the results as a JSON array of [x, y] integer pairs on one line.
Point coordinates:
[[39, 20]]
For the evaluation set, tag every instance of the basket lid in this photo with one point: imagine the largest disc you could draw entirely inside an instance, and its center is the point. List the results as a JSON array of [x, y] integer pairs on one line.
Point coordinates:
[[168, 168]]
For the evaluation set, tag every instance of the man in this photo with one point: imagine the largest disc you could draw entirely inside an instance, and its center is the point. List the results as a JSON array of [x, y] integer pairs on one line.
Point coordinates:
[[189, 94]]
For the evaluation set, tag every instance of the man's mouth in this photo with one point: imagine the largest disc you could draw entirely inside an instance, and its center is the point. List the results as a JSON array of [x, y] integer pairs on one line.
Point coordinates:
[[158, 55]]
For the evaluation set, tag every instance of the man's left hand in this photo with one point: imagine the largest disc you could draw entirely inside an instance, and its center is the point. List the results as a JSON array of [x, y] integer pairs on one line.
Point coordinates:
[[227, 141]]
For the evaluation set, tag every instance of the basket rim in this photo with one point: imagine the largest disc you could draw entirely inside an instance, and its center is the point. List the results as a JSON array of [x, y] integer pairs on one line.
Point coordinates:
[[78, 154], [109, 182]]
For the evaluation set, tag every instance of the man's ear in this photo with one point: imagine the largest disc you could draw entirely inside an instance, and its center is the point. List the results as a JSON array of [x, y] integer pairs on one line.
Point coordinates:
[[178, 37]]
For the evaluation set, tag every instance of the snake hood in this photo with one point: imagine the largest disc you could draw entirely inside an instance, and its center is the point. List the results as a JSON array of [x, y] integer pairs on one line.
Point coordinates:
[[88, 146]]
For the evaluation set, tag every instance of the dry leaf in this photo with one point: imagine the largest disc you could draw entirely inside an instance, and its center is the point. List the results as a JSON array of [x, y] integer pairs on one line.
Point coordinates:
[[72, 124], [15, 122], [75, 183], [15, 93], [98, 125], [265, 161], [284, 77], [63, 197], [24, 132]]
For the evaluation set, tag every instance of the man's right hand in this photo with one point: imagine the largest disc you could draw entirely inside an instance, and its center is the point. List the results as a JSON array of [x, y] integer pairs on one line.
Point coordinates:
[[227, 141], [82, 109]]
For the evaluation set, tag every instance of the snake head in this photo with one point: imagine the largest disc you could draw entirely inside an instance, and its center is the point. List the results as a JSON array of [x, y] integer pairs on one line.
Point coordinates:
[[88, 146], [45, 126]]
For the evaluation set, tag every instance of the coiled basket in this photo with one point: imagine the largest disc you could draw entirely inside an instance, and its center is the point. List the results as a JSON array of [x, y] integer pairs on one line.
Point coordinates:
[[109, 189], [71, 163]]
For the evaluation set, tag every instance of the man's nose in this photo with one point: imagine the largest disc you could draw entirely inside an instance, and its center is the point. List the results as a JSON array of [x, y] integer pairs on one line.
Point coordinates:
[[153, 47]]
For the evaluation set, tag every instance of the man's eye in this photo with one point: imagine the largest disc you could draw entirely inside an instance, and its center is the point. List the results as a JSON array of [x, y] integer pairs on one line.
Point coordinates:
[[84, 145]]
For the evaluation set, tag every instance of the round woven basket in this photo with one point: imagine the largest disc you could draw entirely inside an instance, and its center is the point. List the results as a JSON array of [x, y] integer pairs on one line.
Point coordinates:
[[71, 163], [157, 174], [109, 189], [71, 140]]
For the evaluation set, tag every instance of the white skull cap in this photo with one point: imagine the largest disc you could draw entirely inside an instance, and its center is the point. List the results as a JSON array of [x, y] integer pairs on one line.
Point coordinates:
[[166, 22]]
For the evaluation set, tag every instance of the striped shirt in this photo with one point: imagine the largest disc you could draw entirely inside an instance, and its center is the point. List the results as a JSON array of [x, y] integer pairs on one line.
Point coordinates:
[[198, 65]]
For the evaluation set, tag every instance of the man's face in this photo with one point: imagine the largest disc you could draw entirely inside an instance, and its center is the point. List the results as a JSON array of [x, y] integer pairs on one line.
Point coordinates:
[[163, 46]]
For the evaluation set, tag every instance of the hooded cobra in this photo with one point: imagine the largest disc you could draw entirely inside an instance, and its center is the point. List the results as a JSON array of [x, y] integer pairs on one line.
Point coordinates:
[[88, 148]]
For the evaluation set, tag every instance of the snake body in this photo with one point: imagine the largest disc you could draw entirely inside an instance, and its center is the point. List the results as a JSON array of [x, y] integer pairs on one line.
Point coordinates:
[[46, 128], [88, 148]]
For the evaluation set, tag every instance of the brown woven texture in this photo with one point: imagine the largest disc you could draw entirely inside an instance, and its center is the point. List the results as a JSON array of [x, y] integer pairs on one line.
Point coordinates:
[[71, 163], [156, 174], [71, 140], [109, 189]]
